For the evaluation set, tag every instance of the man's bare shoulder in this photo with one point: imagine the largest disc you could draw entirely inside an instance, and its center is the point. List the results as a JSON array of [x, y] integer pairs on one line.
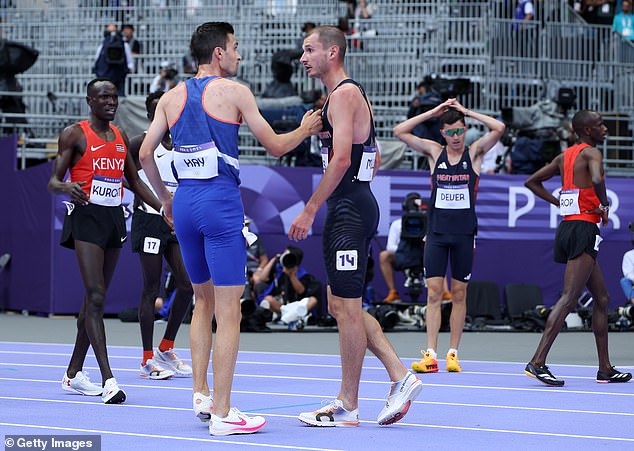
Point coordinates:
[[232, 88], [71, 134], [591, 152], [174, 95]]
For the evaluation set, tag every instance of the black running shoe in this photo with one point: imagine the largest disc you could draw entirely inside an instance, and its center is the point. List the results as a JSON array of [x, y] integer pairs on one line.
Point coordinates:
[[613, 375], [542, 374]]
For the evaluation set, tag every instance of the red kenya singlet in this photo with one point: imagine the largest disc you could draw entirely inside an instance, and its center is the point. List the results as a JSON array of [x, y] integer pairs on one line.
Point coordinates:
[[101, 167]]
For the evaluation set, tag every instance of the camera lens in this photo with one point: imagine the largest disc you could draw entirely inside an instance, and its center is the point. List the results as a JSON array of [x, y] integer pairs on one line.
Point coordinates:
[[288, 260]]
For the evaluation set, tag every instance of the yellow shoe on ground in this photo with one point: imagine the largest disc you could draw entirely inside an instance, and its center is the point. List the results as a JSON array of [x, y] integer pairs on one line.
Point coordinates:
[[427, 365], [453, 366], [392, 296]]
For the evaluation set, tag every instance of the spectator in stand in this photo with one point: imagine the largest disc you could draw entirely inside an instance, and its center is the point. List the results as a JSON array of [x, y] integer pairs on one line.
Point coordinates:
[[624, 21], [524, 12], [128, 36], [600, 12], [166, 79], [424, 100]]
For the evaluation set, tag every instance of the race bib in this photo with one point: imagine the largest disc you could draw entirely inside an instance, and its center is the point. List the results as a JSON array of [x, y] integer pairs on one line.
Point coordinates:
[[105, 191], [151, 245], [453, 197], [324, 158], [196, 162], [569, 202], [347, 260], [366, 168]]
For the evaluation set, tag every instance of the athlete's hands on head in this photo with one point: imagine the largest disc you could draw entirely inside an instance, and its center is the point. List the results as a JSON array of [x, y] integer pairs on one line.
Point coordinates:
[[458, 106], [77, 195], [311, 122], [440, 109], [300, 226]]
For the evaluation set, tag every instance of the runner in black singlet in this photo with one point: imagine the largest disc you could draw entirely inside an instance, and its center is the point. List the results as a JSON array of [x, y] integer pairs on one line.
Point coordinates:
[[350, 160]]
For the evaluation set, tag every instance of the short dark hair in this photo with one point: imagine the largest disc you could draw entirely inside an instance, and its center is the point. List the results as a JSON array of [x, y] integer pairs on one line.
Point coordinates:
[[297, 252], [94, 81], [329, 36], [207, 37], [127, 25], [451, 116], [153, 96], [582, 119]]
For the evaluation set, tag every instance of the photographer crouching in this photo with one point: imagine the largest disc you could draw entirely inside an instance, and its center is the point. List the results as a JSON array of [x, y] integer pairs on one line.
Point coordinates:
[[285, 288]]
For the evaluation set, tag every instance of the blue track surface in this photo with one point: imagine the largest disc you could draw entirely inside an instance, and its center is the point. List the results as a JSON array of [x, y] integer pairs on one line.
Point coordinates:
[[487, 406]]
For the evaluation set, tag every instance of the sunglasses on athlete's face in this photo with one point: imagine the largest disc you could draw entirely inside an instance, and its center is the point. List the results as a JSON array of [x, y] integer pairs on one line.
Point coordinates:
[[454, 131]]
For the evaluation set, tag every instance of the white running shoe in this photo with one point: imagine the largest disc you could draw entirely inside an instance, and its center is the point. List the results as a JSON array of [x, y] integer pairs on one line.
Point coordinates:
[[202, 406], [400, 398], [112, 394], [331, 415], [170, 360], [235, 423], [153, 370], [81, 384]]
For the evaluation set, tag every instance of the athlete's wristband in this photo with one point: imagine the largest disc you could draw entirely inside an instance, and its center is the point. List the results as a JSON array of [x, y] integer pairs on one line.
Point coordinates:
[[161, 211], [604, 208]]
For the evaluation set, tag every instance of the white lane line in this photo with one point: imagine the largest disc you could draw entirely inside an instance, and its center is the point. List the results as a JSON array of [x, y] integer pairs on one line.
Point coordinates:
[[305, 354], [365, 381], [519, 373], [320, 397], [430, 426], [169, 437]]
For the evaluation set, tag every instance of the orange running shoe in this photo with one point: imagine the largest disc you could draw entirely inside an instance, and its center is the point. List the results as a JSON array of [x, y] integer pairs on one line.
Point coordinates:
[[427, 365], [453, 366], [393, 296]]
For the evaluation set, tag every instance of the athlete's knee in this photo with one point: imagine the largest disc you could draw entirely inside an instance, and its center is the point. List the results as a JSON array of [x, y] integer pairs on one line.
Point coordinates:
[[568, 301], [434, 293], [601, 301], [458, 293], [95, 302]]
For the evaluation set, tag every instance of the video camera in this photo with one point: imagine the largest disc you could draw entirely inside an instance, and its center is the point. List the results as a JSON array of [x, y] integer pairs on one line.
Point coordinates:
[[409, 254], [414, 221], [448, 88]]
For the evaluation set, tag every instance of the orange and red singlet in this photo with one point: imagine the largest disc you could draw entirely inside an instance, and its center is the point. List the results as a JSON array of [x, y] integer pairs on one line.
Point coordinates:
[[575, 201], [101, 167]]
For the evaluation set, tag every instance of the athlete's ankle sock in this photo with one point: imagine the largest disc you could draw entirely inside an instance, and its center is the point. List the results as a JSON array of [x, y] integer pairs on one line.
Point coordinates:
[[166, 345], [432, 352], [147, 355], [452, 350]]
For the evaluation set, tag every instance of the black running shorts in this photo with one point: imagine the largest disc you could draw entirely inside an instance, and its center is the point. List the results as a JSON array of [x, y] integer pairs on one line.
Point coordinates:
[[573, 238], [443, 247], [103, 226], [150, 233], [351, 223]]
